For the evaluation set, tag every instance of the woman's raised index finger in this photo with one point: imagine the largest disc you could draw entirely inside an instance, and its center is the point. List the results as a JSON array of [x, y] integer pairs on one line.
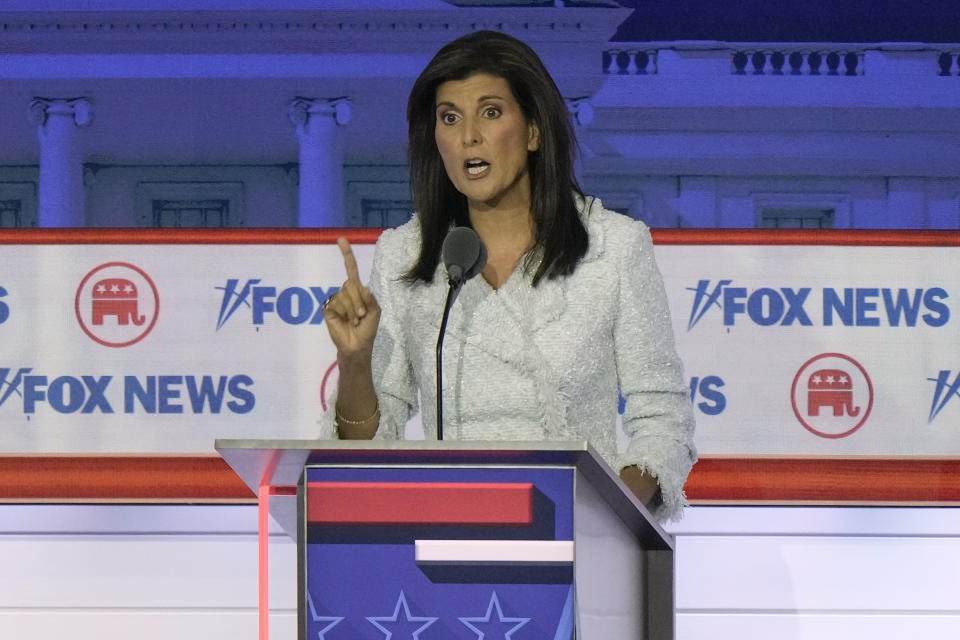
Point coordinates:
[[349, 261]]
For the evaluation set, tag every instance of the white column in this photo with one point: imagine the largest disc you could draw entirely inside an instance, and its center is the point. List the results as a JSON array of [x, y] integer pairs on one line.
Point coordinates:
[[60, 190], [321, 160], [581, 109]]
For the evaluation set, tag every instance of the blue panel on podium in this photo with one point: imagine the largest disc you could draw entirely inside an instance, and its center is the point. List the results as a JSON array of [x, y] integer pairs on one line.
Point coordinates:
[[444, 571]]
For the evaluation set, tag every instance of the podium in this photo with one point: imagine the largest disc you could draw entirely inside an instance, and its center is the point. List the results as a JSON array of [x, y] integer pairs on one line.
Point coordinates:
[[457, 539]]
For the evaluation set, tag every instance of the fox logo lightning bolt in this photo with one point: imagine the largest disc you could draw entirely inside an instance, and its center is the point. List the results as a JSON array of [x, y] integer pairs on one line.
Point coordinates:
[[705, 300], [230, 293], [944, 392], [13, 386]]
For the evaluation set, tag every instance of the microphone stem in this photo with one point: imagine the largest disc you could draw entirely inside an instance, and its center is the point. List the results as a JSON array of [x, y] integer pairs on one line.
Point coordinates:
[[452, 292]]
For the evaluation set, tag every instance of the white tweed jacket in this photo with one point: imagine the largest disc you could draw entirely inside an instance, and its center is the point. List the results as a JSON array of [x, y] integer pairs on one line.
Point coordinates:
[[541, 363]]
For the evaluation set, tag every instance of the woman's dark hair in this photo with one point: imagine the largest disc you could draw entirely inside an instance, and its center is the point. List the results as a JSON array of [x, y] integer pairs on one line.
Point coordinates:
[[560, 238]]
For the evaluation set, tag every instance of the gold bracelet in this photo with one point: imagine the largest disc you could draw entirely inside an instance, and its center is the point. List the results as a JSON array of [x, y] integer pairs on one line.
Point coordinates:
[[341, 419]]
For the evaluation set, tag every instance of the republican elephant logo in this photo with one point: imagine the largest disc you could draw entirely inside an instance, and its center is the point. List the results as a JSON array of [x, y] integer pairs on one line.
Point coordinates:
[[831, 388], [117, 304], [832, 395], [116, 297]]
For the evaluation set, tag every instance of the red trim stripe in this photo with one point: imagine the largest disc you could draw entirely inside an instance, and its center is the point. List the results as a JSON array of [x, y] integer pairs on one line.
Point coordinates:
[[136, 478], [420, 503], [187, 236], [842, 237], [852, 480], [713, 479]]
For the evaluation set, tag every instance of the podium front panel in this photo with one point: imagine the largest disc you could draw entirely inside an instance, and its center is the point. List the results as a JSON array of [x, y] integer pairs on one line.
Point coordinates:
[[437, 552]]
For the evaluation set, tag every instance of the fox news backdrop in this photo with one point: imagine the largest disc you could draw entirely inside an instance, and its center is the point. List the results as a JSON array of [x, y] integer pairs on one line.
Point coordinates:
[[834, 352]]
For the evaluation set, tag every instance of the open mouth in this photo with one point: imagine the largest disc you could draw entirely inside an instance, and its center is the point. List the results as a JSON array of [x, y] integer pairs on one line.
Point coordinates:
[[475, 167]]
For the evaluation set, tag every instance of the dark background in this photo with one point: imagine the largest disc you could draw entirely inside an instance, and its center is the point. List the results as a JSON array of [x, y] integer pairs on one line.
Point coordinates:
[[930, 21]]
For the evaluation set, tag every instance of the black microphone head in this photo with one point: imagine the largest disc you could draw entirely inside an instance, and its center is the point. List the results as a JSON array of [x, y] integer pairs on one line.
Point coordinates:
[[480, 263], [463, 255]]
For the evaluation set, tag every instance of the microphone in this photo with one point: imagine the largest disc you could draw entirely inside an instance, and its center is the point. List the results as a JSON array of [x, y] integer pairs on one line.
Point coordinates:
[[464, 256]]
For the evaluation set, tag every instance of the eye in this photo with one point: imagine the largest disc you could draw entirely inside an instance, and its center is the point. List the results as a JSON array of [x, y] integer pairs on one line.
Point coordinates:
[[491, 112], [449, 117]]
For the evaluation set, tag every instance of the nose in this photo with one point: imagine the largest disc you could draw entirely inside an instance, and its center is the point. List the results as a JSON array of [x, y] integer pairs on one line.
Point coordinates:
[[470, 132]]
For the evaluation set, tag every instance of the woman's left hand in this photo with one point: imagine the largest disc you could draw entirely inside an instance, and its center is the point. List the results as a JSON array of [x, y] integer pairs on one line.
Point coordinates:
[[642, 484]]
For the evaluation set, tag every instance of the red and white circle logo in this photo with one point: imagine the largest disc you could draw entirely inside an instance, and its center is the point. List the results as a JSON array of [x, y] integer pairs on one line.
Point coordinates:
[[117, 304], [832, 395]]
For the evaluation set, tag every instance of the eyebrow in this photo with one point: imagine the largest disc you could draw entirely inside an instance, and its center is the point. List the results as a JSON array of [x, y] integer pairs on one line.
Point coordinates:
[[480, 99]]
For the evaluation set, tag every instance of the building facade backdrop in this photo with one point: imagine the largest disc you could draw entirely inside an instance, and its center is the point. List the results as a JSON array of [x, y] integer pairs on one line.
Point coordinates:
[[208, 113]]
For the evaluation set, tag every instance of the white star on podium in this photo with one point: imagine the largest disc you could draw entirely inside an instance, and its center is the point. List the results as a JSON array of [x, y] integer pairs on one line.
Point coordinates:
[[494, 604], [332, 620], [401, 602]]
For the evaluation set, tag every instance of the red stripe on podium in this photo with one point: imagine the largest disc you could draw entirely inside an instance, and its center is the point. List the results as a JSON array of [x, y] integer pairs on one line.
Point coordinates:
[[420, 503]]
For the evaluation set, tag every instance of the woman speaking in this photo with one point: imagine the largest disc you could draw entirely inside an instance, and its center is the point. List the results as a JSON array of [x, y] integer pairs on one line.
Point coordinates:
[[568, 313]]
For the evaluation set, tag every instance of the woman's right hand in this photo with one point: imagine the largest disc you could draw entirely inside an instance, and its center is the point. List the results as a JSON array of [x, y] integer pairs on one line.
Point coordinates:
[[352, 314]]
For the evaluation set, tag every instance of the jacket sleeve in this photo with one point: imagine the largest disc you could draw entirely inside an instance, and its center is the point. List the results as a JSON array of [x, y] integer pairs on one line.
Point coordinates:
[[392, 372], [393, 376], [658, 416]]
